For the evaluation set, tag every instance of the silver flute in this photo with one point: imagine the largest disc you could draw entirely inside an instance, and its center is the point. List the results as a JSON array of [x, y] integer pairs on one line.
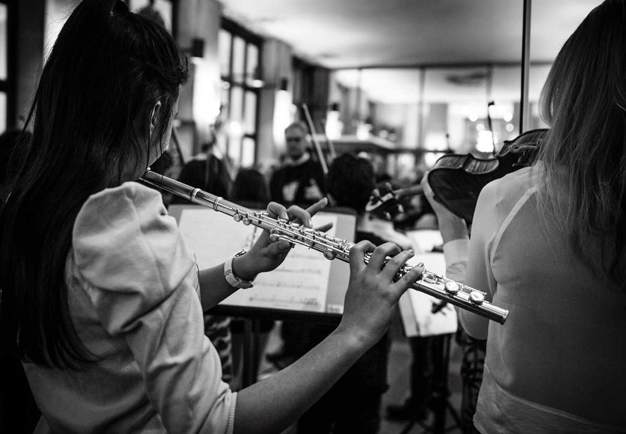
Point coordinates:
[[430, 283]]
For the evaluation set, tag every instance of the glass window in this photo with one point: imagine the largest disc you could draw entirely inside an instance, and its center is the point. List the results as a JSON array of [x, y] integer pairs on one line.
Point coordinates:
[[224, 41], [234, 150], [252, 62], [236, 103], [224, 96], [240, 58], [247, 152], [249, 117], [239, 53]]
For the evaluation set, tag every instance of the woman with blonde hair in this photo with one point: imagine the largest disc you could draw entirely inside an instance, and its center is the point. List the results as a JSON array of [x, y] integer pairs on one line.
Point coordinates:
[[548, 243]]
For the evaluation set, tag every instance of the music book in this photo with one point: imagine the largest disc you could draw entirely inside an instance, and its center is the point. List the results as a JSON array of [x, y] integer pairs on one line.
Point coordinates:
[[305, 282]]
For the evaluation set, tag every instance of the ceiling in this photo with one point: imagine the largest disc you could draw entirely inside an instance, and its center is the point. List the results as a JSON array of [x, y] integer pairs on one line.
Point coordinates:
[[353, 33], [347, 34]]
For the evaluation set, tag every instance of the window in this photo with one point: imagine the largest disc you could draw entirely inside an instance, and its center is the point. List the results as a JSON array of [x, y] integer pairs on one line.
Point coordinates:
[[240, 60]]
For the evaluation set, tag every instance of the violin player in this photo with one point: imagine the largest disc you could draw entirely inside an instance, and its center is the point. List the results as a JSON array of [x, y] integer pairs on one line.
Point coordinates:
[[548, 242]]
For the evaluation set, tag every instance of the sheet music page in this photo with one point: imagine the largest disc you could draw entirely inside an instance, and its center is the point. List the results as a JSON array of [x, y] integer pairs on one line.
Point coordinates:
[[428, 323], [300, 283], [424, 240]]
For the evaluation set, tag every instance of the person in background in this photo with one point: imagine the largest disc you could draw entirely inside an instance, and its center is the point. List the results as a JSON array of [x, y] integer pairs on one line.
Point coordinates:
[[250, 186], [300, 180], [249, 189], [352, 405], [207, 172], [549, 243], [106, 300]]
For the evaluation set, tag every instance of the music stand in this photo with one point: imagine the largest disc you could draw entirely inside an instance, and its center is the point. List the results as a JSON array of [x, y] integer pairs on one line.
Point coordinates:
[[440, 395], [252, 312]]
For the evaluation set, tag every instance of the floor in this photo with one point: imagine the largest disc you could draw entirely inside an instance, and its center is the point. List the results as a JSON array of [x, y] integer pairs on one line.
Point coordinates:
[[398, 378]]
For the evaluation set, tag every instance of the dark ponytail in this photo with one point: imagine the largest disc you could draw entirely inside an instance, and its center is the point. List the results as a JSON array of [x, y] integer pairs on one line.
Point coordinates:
[[107, 69]]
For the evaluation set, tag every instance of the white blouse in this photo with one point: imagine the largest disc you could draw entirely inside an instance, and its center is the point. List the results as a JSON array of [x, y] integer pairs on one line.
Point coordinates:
[[133, 297], [557, 364]]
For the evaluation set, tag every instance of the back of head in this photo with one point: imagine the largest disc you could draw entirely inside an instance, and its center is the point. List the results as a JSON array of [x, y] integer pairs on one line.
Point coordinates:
[[250, 186], [350, 181], [107, 70], [584, 102]]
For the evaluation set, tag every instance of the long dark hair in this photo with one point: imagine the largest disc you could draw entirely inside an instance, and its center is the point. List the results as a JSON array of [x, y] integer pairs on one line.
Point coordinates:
[[584, 102], [107, 70]]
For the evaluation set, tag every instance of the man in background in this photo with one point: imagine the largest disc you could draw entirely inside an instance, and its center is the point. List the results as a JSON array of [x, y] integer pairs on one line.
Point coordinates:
[[300, 180]]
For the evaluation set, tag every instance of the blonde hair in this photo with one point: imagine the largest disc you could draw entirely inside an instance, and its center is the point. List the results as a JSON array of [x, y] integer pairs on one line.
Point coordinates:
[[584, 102]]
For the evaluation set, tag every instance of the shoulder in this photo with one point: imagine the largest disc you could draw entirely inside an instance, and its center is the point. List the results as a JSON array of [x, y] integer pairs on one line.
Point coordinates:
[[509, 188], [123, 239], [498, 199]]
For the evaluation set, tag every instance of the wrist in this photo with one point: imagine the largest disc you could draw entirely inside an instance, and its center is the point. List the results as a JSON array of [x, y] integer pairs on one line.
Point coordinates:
[[243, 267], [354, 337]]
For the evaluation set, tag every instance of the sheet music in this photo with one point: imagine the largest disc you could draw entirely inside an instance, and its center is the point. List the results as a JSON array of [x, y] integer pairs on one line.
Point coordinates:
[[428, 323], [300, 283]]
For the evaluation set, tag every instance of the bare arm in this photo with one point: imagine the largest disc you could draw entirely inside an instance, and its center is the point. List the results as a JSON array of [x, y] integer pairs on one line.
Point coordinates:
[[275, 403]]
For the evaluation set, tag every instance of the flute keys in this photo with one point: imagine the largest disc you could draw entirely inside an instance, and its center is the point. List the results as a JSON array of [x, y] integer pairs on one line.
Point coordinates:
[[452, 287], [237, 217], [477, 297], [246, 220], [329, 255]]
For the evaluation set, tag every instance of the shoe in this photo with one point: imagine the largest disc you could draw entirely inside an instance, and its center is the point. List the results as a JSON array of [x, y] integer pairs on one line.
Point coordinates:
[[406, 411]]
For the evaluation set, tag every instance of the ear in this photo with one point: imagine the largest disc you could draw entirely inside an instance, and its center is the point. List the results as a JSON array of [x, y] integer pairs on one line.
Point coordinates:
[[154, 116]]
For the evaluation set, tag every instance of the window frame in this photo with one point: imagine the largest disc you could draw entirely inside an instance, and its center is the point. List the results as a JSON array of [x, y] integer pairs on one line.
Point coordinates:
[[249, 38]]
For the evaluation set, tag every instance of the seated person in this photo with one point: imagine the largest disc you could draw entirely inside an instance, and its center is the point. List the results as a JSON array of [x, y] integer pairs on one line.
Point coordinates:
[[352, 405]]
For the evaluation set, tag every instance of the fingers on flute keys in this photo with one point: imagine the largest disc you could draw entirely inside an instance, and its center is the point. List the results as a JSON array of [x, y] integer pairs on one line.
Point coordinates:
[[275, 210], [357, 256]]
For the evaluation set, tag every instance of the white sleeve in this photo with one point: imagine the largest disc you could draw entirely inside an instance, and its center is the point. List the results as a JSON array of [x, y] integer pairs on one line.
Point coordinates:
[[478, 273], [143, 282], [455, 253]]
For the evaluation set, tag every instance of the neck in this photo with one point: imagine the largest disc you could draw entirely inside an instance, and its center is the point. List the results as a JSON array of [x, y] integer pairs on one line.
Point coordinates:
[[299, 160]]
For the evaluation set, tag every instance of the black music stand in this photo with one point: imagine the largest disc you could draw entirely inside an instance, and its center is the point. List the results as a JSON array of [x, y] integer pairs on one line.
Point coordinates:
[[440, 395]]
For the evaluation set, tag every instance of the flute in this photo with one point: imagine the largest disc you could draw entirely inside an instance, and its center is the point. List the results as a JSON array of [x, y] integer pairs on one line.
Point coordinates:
[[430, 283]]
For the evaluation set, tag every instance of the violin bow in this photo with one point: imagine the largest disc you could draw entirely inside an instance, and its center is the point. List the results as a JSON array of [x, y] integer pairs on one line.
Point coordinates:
[[316, 144]]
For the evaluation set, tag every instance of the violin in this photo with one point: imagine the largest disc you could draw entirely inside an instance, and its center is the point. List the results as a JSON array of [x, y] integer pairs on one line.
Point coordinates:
[[457, 179], [385, 202]]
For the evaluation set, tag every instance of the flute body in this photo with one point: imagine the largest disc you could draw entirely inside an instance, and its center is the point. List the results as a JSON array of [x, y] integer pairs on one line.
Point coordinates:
[[430, 283]]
